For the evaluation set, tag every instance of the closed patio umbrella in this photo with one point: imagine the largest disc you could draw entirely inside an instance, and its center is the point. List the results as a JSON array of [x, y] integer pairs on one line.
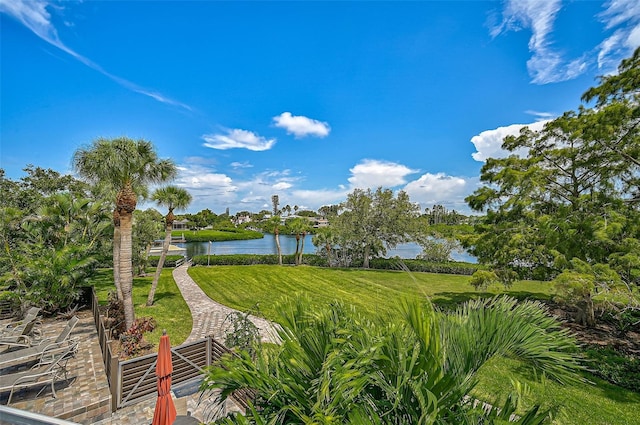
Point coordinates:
[[165, 412]]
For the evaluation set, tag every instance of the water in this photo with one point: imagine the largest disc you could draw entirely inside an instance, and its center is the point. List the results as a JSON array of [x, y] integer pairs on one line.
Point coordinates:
[[267, 245]]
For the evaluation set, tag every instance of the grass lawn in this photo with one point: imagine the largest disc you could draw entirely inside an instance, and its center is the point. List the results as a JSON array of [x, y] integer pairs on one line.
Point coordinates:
[[169, 309], [369, 290], [243, 287]]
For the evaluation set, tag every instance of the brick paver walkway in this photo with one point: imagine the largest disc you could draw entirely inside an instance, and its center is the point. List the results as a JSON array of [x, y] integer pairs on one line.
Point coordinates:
[[208, 315]]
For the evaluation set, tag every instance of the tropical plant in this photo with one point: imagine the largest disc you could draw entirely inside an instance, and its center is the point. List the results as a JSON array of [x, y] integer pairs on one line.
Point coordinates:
[[173, 198], [128, 166], [335, 366]]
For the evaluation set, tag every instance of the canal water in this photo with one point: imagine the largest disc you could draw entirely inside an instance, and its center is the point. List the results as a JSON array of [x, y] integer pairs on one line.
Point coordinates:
[[267, 245]]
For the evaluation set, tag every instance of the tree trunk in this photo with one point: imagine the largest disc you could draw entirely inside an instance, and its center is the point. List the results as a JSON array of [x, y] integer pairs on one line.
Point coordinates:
[[163, 256], [277, 232], [328, 248], [126, 268], [295, 257], [304, 234], [126, 204], [365, 261], [116, 255]]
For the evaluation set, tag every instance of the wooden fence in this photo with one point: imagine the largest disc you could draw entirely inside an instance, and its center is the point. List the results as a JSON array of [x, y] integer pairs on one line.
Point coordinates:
[[135, 379]]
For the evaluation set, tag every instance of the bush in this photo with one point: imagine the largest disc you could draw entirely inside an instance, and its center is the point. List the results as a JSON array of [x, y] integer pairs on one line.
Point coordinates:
[[170, 260], [615, 367], [131, 341], [253, 259], [482, 279], [451, 267]]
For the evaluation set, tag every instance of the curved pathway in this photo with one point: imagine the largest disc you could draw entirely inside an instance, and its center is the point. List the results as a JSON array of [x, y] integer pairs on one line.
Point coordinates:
[[208, 315]]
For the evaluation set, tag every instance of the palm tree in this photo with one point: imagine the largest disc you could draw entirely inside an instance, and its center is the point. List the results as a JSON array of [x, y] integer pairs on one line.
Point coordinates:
[[418, 367], [171, 197], [275, 222], [128, 166]]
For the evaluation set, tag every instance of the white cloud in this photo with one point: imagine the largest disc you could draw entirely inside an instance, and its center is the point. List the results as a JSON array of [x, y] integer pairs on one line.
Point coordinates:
[[372, 173], [244, 164], [442, 189], [624, 17], [237, 138], [317, 198], [301, 126], [34, 15], [546, 65], [282, 186], [489, 143]]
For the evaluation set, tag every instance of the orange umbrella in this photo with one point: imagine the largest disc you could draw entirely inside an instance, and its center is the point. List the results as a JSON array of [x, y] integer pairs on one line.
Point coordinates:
[[165, 412]]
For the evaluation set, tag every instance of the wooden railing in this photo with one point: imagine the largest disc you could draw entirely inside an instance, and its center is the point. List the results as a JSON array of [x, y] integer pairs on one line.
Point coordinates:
[[133, 380]]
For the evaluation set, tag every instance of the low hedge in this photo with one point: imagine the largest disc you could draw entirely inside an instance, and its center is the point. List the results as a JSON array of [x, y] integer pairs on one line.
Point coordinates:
[[252, 259], [320, 261], [424, 266], [169, 261], [217, 235]]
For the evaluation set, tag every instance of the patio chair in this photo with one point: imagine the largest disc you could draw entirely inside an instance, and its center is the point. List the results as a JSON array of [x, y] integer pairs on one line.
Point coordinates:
[[20, 336], [9, 325], [46, 372], [46, 345]]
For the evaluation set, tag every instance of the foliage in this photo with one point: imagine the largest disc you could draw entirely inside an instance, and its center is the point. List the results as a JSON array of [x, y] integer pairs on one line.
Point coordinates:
[[437, 250], [415, 367], [243, 335], [569, 192], [50, 243], [618, 368], [482, 279], [217, 235], [131, 341], [147, 228], [170, 261], [372, 222]]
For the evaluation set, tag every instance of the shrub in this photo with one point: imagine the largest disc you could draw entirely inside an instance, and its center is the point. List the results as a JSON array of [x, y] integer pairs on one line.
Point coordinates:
[[170, 260], [615, 367], [482, 279], [243, 334], [131, 341]]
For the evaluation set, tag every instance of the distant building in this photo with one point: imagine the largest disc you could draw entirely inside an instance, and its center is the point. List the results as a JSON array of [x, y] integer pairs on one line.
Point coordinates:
[[180, 224]]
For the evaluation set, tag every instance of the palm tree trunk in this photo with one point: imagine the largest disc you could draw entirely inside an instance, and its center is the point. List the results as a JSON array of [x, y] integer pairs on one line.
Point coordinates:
[[163, 256], [126, 267], [328, 248], [116, 260], [295, 257], [277, 232]]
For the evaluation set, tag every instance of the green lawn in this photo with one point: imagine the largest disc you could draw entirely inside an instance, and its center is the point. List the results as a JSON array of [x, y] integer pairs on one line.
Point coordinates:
[[380, 291], [368, 290], [169, 309]]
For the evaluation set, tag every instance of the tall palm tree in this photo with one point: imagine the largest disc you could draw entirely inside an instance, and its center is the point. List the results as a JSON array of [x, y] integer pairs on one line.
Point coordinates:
[[417, 367], [128, 166], [171, 197], [275, 222]]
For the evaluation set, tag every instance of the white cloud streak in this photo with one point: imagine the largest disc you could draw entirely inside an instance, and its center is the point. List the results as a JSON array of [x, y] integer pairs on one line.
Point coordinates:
[[624, 17], [238, 139], [301, 126], [33, 14], [546, 65], [489, 143], [371, 174]]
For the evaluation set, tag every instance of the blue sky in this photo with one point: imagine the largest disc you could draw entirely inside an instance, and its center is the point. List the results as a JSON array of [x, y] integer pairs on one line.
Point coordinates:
[[306, 100]]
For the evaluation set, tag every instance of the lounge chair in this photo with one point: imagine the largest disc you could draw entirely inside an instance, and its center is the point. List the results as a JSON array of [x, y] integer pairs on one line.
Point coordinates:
[[20, 336], [46, 345], [9, 325], [46, 372]]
